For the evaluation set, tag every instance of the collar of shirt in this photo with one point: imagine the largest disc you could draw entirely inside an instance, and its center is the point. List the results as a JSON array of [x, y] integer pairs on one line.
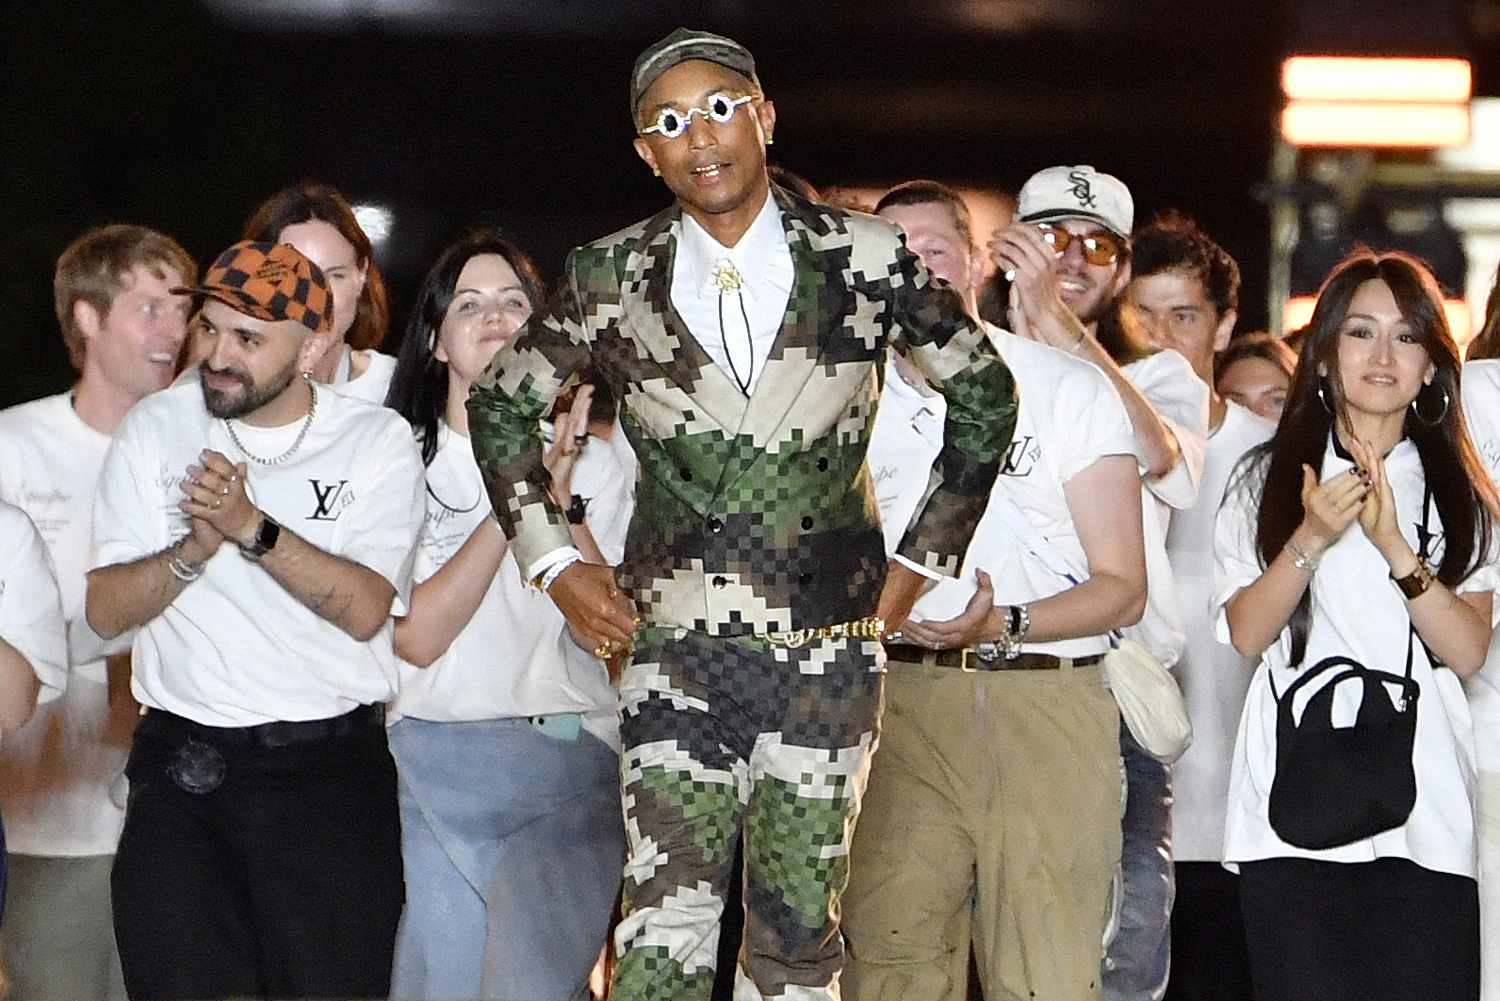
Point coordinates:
[[761, 256]]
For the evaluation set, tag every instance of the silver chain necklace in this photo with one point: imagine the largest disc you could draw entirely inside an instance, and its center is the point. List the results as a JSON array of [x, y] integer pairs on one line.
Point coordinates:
[[312, 408]]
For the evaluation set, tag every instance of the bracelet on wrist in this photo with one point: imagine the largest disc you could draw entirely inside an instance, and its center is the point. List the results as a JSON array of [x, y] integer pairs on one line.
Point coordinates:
[[184, 570], [1300, 559], [1416, 583]]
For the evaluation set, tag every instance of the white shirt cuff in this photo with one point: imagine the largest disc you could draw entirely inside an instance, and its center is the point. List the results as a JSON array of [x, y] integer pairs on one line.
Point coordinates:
[[548, 561], [914, 568]]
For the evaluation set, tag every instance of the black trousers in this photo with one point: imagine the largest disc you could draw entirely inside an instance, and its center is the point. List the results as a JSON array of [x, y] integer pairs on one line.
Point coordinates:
[[283, 882], [1389, 929], [1209, 962]]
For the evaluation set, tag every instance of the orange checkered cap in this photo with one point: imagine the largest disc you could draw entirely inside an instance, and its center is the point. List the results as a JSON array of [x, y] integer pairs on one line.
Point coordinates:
[[269, 281]]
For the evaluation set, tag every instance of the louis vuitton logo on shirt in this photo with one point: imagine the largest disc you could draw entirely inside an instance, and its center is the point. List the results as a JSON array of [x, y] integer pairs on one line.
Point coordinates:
[[331, 497]]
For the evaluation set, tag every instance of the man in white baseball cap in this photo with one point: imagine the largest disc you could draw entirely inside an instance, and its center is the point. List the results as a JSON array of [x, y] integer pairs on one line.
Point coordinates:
[[1067, 258]]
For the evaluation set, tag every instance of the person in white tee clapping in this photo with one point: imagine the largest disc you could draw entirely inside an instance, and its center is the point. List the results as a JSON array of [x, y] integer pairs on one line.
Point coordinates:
[[507, 747], [257, 530], [1359, 537]]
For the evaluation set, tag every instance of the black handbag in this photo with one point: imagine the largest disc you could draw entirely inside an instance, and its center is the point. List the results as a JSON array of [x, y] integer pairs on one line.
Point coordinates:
[[1337, 785]]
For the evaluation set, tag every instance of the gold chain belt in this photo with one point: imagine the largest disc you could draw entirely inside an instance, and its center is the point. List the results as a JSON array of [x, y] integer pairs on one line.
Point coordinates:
[[869, 628]]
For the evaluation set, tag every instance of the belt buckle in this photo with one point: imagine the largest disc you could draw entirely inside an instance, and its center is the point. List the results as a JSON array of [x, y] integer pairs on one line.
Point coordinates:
[[963, 660], [197, 767]]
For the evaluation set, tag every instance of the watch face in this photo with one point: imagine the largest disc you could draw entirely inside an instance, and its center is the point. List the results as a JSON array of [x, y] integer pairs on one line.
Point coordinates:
[[265, 539]]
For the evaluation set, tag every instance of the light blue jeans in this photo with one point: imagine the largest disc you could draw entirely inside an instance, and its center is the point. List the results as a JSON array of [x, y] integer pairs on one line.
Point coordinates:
[[1139, 956], [514, 846]]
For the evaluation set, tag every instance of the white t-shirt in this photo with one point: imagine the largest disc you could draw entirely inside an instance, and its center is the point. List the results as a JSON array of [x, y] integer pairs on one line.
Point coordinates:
[[31, 618], [373, 383], [1069, 417], [56, 771], [1212, 675], [515, 657], [235, 648], [1180, 399], [1356, 612]]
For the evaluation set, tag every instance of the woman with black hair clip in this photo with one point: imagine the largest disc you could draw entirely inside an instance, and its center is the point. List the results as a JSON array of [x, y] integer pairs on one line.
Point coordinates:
[[1360, 539], [506, 746]]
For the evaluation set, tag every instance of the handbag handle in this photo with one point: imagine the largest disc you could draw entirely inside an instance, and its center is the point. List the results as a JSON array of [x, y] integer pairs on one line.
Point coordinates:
[[1424, 541]]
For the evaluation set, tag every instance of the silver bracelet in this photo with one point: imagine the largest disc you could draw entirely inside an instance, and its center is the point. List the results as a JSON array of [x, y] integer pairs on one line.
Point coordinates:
[[1301, 560], [549, 577], [183, 570]]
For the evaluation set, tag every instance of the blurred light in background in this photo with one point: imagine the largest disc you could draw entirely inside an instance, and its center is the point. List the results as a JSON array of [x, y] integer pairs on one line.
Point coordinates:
[[1332, 123], [376, 221], [1351, 78], [1376, 101]]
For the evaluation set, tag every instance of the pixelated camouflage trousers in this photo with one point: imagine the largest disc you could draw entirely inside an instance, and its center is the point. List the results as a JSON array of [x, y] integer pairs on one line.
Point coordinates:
[[726, 739]]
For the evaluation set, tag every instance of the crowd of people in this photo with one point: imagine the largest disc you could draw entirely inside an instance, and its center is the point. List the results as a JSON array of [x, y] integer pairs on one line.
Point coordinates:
[[1032, 632]]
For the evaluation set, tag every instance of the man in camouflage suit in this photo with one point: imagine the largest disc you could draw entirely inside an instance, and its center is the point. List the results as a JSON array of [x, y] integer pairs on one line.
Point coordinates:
[[744, 329]]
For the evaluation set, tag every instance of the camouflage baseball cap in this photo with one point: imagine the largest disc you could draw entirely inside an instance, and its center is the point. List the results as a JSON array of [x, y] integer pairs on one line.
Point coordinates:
[[269, 281], [680, 46]]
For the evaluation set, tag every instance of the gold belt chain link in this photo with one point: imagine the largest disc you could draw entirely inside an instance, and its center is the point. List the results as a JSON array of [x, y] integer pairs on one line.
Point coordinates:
[[869, 628]]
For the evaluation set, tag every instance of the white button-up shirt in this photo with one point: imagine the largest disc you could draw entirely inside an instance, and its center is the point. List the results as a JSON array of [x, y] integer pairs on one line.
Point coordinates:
[[764, 263]]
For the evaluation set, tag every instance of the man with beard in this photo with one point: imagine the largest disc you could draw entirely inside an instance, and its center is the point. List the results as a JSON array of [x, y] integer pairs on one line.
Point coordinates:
[[743, 329], [258, 530], [1068, 258]]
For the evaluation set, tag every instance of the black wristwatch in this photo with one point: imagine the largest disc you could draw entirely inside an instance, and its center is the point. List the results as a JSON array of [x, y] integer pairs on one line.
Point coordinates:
[[576, 509], [265, 538]]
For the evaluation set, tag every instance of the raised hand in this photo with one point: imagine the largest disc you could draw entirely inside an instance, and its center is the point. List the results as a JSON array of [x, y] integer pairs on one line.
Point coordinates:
[[570, 430], [1329, 508]]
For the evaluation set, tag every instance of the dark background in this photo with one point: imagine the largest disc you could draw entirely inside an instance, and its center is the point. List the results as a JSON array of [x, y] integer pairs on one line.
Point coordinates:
[[183, 115]]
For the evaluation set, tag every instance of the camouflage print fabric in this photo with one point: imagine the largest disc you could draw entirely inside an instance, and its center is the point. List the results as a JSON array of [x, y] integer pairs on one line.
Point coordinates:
[[724, 736], [752, 515]]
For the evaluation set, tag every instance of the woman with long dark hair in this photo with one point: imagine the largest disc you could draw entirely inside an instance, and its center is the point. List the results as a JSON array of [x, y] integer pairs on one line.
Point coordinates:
[[506, 746], [319, 221], [1355, 558]]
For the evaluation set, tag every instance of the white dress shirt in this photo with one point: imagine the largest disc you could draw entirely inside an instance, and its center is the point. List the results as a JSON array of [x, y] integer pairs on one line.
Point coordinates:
[[764, 263]]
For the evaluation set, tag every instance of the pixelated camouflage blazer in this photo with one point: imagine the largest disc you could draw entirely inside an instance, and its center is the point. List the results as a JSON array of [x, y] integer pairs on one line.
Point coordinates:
[[752, 515]]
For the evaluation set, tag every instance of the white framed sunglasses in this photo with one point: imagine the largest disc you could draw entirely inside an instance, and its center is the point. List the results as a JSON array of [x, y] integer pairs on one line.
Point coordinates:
[[671, 123]]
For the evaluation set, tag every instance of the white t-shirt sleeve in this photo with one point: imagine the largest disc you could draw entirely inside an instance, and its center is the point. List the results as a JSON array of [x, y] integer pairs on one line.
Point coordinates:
[[124, 513], [31, 617], [380, 527], [1093, 417], [1236, 562], [1180, 399]]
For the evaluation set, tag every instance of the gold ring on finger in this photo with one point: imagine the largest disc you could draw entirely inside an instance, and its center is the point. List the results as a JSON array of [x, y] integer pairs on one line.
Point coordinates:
[[603, 650]]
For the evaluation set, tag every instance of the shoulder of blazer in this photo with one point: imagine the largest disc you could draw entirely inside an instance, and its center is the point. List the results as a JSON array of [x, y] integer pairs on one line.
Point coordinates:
[[827, 224]]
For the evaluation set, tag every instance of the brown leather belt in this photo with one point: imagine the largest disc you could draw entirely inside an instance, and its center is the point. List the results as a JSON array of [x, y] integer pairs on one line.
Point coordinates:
[[968, 660]]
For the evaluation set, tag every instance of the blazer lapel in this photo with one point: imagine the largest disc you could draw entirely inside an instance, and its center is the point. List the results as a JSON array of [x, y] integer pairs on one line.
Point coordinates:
[[661, 334], [812, 312]]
